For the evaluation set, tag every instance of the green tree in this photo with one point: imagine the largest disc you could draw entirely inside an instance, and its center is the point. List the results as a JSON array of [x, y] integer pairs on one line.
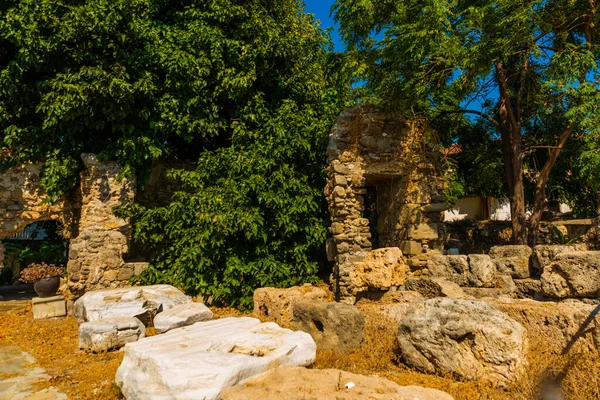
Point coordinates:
[[531, 66], [248, 89]]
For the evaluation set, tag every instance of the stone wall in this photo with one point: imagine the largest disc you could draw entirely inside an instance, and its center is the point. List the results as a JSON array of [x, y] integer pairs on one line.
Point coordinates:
[[481, 236], [375, 156], [99, 241], [98, 249]]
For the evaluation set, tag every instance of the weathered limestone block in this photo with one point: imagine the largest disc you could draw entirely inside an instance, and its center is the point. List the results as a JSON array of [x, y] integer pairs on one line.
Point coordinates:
[[512, 260], [573, 275], [334, 326], [273, 304], [424, 231], [142, 302], [326, 384], [199, 361], [465, 337], [380, 269], [543, 255], [181, 315], [435, 287], [411, 247], [48, 307], [557, 326], [527, 287], [452, 268], [110, 333], [482, 271]]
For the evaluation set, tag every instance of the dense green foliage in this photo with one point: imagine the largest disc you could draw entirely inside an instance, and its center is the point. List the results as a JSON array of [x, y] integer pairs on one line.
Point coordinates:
[[249, 90], [488, 74]]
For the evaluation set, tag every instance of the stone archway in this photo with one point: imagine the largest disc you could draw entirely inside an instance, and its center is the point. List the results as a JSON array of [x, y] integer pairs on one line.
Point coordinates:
[[367, 151], [98, 239]]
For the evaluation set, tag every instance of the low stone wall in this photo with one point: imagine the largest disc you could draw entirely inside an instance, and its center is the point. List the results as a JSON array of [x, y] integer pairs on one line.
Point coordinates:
[[481, 236]]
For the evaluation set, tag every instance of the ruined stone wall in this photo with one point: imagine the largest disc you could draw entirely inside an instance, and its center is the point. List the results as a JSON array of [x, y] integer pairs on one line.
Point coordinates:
[[369, 150], [480, 236], [97, 251], [99, 241]]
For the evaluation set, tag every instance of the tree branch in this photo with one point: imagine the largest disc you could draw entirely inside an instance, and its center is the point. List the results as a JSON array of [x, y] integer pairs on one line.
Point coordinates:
[[479, 113]]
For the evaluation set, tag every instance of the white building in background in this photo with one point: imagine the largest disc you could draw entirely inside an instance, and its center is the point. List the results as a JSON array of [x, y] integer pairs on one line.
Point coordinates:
[[484, 208]]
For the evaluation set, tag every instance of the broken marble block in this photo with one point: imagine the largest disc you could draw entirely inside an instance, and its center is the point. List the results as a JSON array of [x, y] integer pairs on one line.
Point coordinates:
[[142, 302], [198, 361], [181, 315], [110, 333]]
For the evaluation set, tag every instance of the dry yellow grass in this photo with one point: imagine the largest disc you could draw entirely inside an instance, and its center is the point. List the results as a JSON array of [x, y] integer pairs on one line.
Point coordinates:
[[578, 372], [90, 376]]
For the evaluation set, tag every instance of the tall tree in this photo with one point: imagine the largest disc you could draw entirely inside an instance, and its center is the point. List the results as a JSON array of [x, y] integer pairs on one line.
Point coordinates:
[[526, 67], [248, 90]]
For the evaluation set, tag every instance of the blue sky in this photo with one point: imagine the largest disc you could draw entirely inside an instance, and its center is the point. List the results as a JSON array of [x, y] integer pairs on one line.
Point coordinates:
[[321, 9]]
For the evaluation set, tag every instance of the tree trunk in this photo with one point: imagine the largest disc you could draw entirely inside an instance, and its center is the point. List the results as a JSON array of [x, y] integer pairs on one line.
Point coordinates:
[[510, 130], [540, 188]]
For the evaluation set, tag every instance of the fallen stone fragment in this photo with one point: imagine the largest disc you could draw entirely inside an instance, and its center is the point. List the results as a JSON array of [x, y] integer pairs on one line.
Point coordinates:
[[142, 302], [574, 274], [291, 383], [198, 361], [110, 333], [275, 304], [334, 326], [435, 287], [464, 337], [512, 260], [181, 315]]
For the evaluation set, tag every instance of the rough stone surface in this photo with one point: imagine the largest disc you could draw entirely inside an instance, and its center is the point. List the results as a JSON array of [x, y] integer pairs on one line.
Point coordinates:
[[48, 307], [200, 360], [435, 287], [573, 275], [110, 333], [544, 255], [273, 304], [312, 384], [555, 326], [482, 271], [512, 260], [182, 315], [380, 269], [370, 153], [142, 302], [465, 337], [334, 326], [452, 268], [527, 288]]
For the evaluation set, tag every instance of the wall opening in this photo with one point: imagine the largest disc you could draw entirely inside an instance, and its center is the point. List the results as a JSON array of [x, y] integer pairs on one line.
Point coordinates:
[[39, 243]]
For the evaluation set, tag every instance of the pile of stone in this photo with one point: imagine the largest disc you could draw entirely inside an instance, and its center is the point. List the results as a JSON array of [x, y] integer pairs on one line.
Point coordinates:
[[111, 318]]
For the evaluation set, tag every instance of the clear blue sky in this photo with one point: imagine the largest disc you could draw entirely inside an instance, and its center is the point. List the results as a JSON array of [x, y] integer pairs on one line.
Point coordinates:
[[321, 10]]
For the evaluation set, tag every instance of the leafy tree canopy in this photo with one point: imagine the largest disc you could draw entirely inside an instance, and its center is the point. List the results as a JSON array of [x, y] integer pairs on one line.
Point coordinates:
[[249, 89], [523, 73]]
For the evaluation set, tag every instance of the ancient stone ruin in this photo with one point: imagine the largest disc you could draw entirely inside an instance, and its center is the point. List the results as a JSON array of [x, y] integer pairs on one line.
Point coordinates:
[[384, 190], [98, 240]]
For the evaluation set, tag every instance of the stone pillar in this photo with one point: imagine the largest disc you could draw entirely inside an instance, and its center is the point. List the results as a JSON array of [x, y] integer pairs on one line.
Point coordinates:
[[96, 253]]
